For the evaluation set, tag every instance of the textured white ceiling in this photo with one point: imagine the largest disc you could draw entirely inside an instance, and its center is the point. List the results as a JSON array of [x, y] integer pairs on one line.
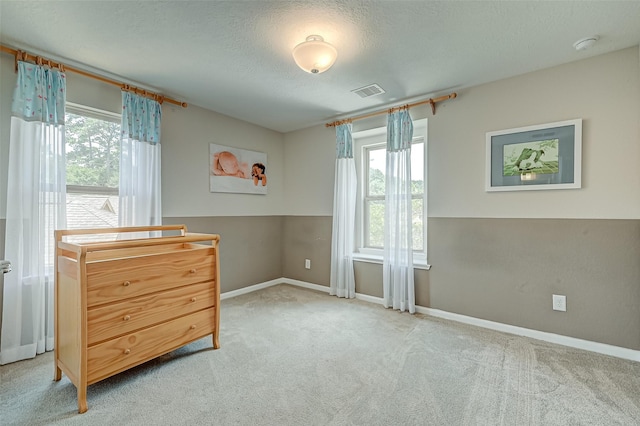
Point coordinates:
[[234, 57]]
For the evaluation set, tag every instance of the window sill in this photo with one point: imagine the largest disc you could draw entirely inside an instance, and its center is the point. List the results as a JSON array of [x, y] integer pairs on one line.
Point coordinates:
[[372, 258]]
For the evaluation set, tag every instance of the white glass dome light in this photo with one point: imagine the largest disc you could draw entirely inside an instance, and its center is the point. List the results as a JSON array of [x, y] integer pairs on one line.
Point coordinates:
[[315, 55]]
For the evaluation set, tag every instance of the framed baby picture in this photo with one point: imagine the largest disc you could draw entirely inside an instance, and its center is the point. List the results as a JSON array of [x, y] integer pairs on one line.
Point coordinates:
[[237, 170], [545, 156]]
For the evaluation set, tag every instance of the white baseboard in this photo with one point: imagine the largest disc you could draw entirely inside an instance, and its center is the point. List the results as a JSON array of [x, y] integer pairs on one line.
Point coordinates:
[[260, 286], [572, 342], [370, 299], [250, 289], [322, 288], [559, 339]]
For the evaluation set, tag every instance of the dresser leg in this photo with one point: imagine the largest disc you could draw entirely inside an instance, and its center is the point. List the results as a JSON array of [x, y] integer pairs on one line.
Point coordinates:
[[57, 374], [82, 399], [216, 343]]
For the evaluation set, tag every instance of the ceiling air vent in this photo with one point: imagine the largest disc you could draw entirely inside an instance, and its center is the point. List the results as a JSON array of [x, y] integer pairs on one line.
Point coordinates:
[[370, 90]]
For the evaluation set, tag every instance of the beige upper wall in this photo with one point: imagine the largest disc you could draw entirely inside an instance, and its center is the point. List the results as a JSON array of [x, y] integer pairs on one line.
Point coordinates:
[[310, 156], [603, 91], [186, 135]]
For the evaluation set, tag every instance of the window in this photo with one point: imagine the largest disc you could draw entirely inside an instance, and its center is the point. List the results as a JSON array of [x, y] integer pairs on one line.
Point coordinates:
[[92, 140], [370, 157]]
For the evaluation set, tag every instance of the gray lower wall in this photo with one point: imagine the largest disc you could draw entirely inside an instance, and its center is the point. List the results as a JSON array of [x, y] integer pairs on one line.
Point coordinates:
[[250, 247], [506, 270], [307, 237], [369, 282], [502, 270]]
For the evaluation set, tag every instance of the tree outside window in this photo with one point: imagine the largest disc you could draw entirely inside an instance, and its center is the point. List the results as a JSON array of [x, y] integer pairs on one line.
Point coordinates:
[[93, 168]]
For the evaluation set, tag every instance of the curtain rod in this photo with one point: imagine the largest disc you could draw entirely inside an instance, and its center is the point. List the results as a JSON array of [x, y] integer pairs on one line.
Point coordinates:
[[23, 56], [430, 101]]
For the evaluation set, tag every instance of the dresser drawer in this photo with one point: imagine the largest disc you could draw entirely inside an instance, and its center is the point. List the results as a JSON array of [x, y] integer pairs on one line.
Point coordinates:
[[114, 356], [107, 321], [114, 280]]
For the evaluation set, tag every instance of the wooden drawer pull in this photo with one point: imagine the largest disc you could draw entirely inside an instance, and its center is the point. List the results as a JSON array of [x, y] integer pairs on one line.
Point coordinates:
[[126, 283], [193, 271], [193, 299], [127, 317], [127, 351], [193, 327]]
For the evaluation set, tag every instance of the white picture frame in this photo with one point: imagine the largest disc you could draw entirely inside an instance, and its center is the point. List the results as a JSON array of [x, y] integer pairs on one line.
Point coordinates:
[[539, 157], [237, 170]]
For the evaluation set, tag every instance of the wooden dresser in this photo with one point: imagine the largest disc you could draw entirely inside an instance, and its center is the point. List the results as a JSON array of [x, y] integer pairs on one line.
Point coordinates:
[[123, 302]]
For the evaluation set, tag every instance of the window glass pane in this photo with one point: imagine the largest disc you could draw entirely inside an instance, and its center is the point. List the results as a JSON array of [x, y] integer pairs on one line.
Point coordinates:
[[417, 168], [417, 231], [375, 215], [377, 163], [93, 167], [93, 151]]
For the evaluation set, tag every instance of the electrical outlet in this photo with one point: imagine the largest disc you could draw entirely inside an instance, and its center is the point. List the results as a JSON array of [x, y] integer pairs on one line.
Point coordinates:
[[559, 302], [307, 263]]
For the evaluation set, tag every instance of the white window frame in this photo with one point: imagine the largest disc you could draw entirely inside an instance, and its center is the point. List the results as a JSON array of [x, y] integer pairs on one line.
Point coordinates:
[[372, 138]]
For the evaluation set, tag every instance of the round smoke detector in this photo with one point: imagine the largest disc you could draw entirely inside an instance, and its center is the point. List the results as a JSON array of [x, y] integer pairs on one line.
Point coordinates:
[[585, 43]]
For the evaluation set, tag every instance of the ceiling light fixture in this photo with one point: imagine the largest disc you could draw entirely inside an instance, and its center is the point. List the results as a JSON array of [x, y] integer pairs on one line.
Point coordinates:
[[315, 55], [585, 43]]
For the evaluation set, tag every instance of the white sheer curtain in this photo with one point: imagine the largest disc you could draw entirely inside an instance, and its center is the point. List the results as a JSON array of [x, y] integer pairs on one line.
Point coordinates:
[[36, 194], [398, 285], [140, 201], [342, 282]]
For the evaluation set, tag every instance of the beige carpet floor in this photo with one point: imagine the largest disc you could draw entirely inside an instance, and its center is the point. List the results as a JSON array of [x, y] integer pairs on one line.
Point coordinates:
[[291, 356]]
